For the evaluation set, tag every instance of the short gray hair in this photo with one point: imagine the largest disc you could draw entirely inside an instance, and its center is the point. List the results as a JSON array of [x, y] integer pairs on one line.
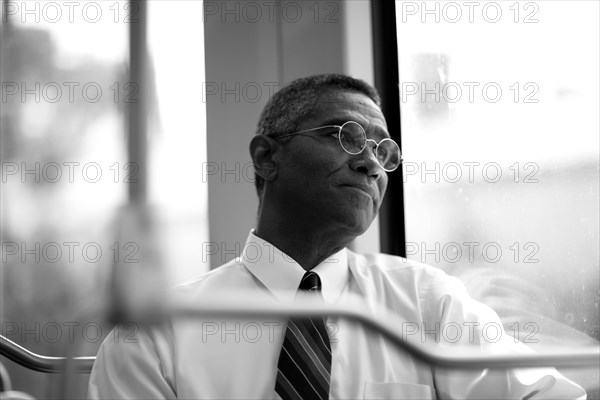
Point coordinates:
[[298, 100]]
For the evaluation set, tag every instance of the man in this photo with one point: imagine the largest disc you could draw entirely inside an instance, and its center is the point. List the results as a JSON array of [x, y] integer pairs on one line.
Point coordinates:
[[321, 156]]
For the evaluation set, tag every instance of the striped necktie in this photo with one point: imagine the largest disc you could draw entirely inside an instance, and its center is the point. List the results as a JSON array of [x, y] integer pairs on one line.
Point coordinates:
[[304, 367]]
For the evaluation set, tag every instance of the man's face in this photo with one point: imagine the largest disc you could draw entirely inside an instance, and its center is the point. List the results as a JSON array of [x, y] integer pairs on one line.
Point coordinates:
[[319, 181]]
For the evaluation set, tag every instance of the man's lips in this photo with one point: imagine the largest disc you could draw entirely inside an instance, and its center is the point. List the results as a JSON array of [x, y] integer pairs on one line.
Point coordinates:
[[366, 190]]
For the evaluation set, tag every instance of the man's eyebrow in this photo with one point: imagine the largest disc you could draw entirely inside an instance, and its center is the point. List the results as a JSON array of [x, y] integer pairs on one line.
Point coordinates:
[[335, 121], [384, 132], [342, 120]]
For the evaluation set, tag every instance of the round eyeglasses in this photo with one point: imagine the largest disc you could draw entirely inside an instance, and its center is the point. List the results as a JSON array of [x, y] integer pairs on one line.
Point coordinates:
[[353, 139]]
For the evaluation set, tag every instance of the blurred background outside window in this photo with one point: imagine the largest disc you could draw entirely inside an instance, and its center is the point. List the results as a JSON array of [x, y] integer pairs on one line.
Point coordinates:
[[66, 215], [500, 134]]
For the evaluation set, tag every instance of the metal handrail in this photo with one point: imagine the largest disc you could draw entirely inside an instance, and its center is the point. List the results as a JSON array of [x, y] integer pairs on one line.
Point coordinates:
[[452, 358], [37, 362]]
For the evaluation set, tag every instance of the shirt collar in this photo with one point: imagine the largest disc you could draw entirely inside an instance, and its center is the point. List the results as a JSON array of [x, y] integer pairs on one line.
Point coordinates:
[[281, 274]]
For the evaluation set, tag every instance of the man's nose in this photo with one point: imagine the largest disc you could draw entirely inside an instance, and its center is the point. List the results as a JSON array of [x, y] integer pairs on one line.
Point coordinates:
[[366, 161]]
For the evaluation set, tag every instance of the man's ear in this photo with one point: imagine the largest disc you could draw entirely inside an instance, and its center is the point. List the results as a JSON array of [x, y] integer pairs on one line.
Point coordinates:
[[262, 151]]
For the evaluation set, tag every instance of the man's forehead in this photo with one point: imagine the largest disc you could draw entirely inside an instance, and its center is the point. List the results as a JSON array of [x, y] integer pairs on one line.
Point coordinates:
[[344, 106]]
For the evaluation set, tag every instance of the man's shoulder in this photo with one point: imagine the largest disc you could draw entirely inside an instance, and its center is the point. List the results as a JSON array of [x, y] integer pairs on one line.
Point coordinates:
[[390, 267], [231, 274], [387, 277]]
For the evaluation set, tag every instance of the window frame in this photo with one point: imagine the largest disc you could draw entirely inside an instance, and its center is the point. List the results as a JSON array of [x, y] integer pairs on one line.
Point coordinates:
[[392, 226]]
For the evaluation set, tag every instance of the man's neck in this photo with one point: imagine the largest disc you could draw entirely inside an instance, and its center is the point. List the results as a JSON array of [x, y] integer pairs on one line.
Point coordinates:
[[307, 247]]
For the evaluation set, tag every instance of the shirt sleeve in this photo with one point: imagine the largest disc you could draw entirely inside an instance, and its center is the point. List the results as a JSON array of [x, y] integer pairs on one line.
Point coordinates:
[[133, 366], [458, 319]]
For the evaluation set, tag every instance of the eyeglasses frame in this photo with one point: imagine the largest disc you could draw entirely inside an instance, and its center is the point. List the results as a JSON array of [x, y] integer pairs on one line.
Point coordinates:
[[339, 128]]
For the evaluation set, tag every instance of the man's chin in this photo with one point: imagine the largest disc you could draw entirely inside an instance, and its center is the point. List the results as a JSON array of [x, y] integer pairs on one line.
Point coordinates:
[[357, 224]]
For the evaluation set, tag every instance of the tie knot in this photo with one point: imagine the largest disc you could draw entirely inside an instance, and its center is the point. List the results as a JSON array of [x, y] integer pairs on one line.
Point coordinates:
[[310, 282]]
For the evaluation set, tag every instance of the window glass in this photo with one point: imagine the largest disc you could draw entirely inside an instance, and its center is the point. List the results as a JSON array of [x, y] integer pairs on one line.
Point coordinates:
[[178, 185], [499, 108], [64, 172], [67, 221]]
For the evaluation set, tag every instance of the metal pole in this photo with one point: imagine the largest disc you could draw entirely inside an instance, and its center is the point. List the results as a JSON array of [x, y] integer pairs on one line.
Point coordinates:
[[137, 145]]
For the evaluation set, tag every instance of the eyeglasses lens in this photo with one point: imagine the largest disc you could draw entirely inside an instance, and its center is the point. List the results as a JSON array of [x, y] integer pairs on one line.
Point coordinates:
[[353, 137], [388, 154]]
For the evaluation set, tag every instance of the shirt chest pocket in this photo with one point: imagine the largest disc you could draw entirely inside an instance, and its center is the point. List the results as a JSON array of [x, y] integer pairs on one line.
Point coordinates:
[[397, 390]]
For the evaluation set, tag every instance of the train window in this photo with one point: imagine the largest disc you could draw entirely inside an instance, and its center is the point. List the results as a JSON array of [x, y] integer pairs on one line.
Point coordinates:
[[177, 179], [64, 169], [67, 170], [499, 109]]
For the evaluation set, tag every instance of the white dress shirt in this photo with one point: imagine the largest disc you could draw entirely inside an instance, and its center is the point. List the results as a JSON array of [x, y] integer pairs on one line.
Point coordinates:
[[227, 359]]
